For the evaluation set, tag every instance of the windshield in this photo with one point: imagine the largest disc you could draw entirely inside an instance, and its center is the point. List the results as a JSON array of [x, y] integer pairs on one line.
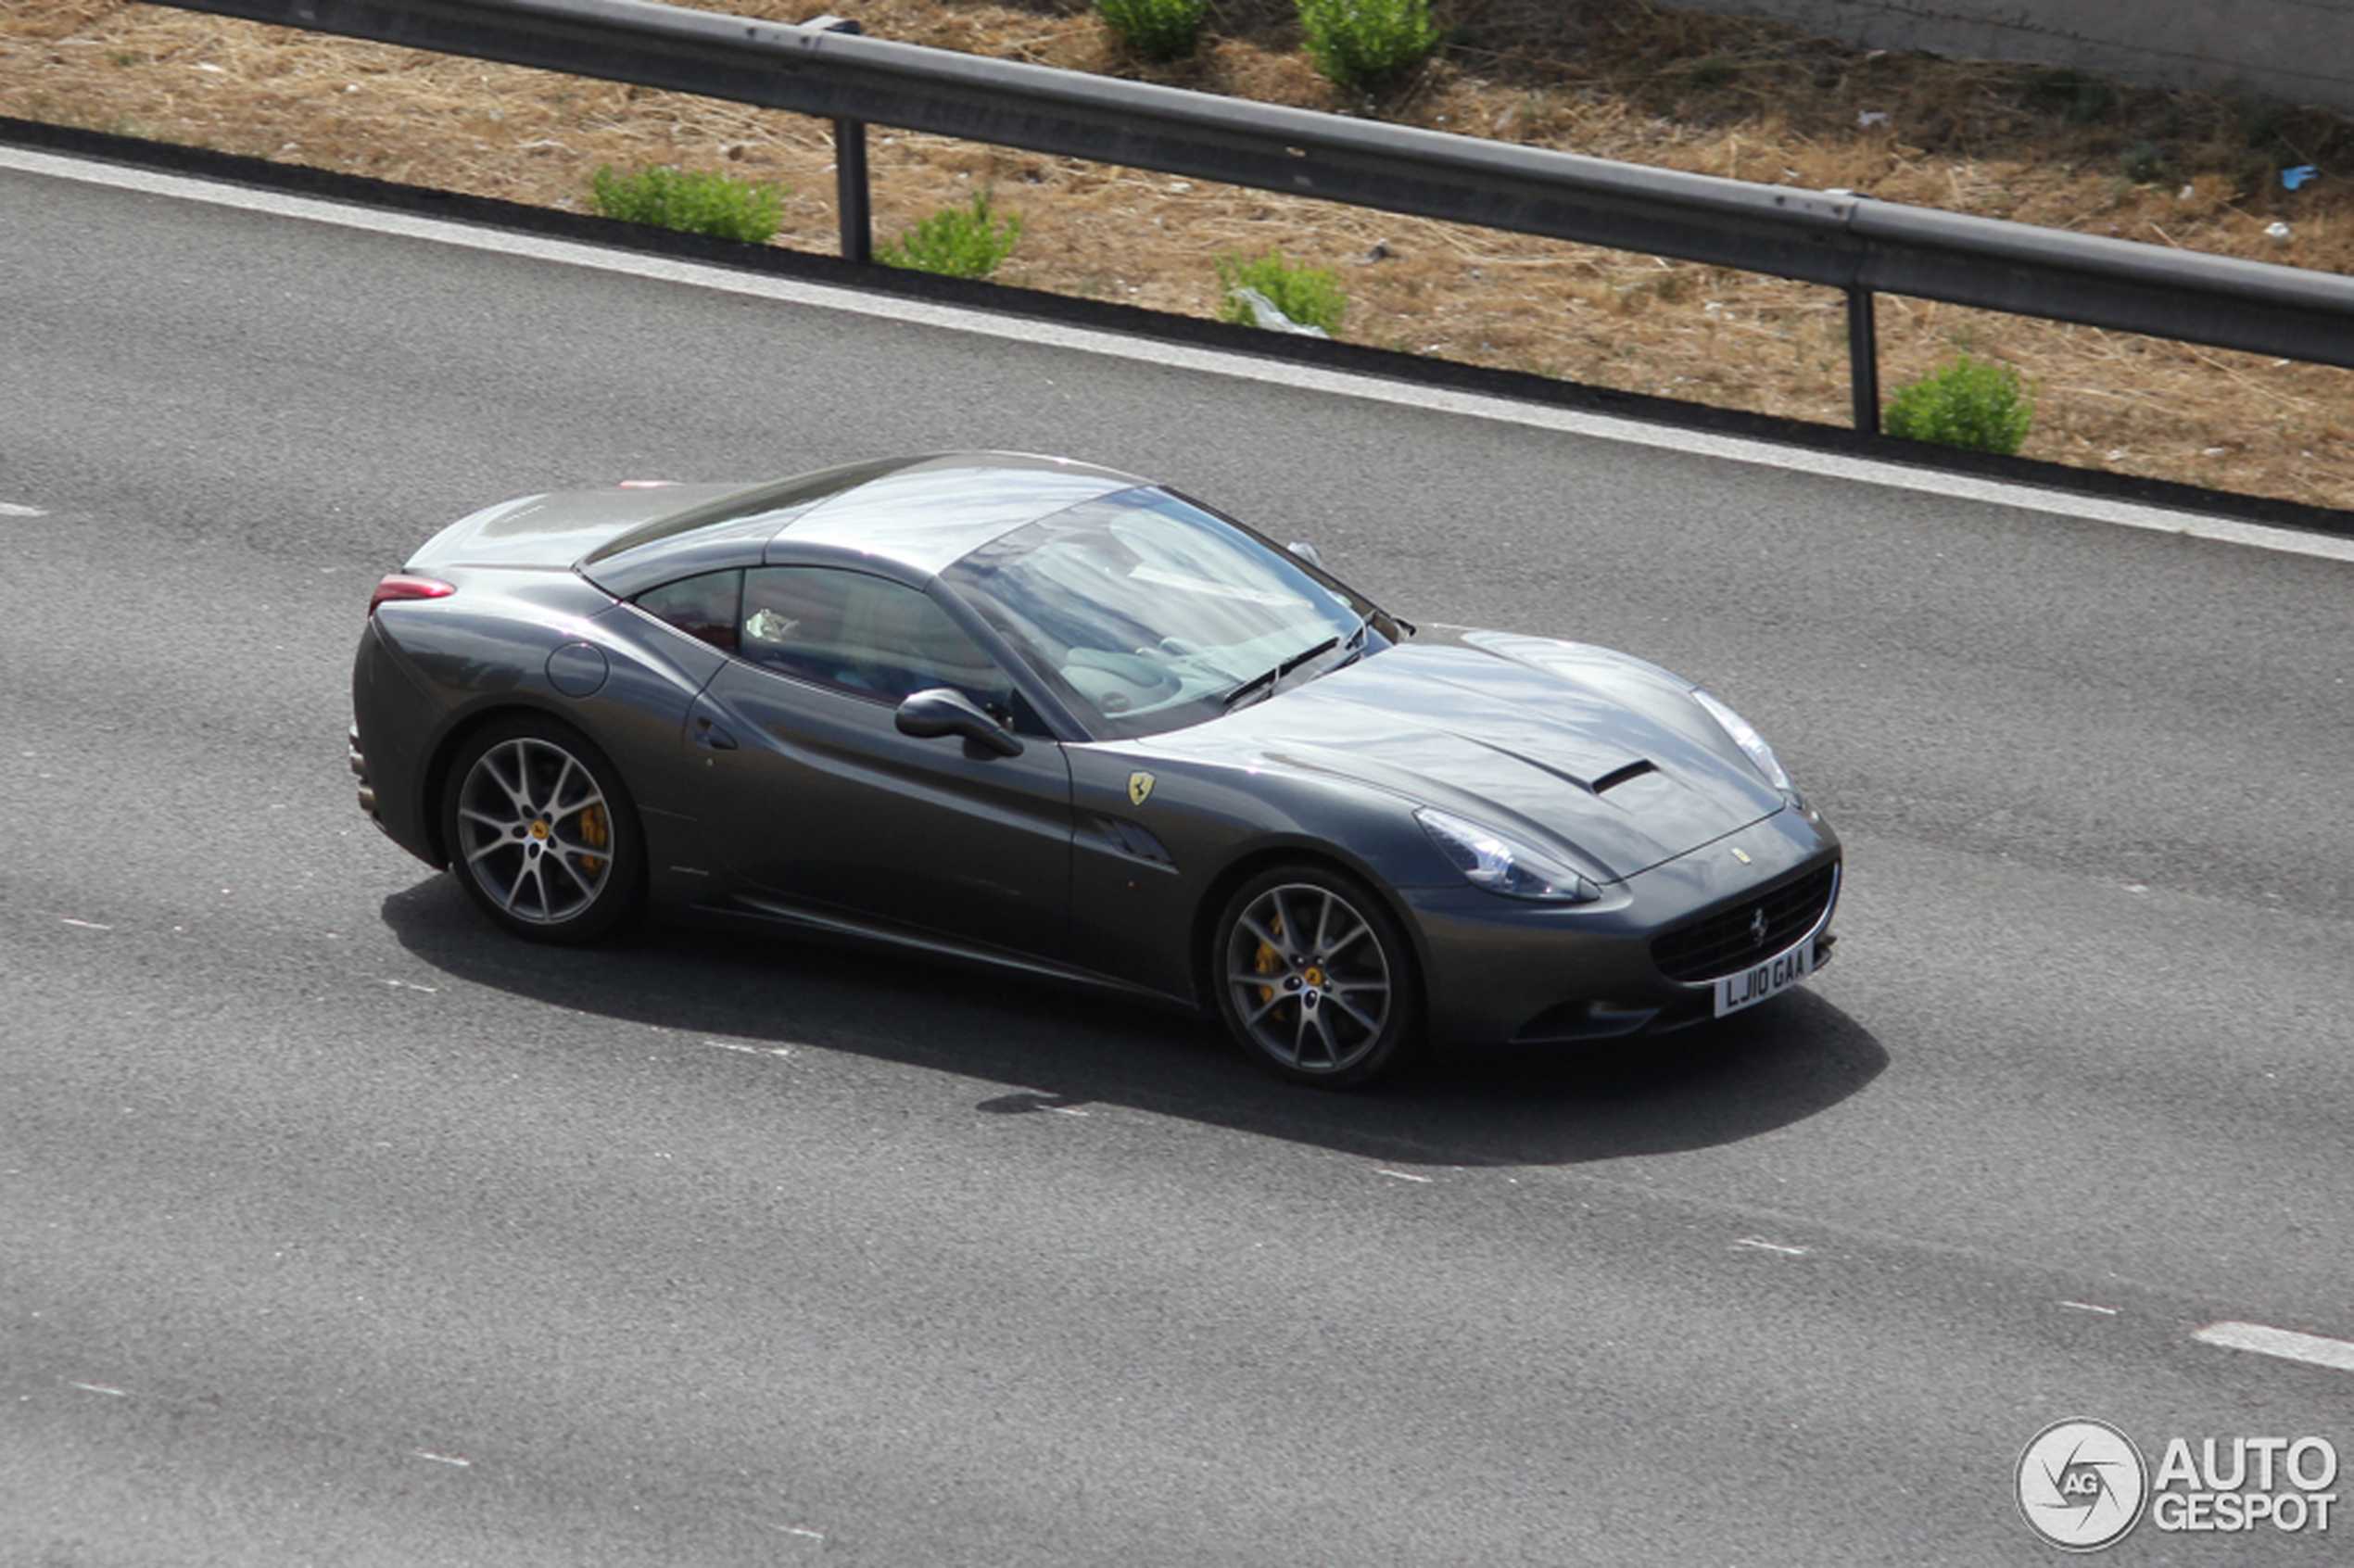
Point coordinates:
[[1145, 612]]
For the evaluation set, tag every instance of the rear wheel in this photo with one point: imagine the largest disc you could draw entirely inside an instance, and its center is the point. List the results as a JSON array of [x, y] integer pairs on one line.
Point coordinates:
[[542, 833], [1315, 980]]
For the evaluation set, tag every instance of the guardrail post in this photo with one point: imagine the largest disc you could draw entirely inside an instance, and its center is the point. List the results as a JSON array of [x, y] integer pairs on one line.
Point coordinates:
[[850, 168], [850, 191], [1862, 359]]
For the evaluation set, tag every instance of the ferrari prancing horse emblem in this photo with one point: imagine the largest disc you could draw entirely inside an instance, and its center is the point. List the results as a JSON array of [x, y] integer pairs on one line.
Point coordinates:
[[1139, 786]]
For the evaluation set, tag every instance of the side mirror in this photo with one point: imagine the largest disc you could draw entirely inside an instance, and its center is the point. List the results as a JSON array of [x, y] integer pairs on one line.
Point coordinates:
[[1307, 552], [927, 715]]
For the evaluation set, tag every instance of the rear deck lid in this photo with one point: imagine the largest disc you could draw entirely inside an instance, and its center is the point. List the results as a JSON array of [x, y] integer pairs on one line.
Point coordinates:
[[550, 532]]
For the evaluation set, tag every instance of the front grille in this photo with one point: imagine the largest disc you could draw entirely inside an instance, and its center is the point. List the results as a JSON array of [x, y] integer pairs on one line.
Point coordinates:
[[1728, 941]]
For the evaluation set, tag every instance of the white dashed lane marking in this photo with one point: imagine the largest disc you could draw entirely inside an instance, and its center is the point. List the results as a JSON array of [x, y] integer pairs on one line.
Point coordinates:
[[2286, 1344], [777, 1051], [1762, 1246]]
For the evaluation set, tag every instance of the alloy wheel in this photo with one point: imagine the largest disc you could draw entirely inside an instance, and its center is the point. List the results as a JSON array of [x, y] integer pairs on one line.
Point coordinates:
[[535, 832], [1309, 981]]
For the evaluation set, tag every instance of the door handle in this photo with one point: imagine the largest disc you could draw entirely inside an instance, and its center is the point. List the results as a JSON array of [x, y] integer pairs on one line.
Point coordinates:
[[711, 734]]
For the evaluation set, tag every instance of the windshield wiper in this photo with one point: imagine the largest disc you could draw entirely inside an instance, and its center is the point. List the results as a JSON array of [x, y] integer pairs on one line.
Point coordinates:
[[1265, 680], [1357, 641]]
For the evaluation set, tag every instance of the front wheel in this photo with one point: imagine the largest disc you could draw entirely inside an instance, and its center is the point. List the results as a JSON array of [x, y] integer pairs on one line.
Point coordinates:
[[1314, 978], [541, 832]]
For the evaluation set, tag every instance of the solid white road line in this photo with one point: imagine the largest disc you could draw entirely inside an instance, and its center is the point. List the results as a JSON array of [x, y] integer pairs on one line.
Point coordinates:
[[2310, 1348], [1604, 427]]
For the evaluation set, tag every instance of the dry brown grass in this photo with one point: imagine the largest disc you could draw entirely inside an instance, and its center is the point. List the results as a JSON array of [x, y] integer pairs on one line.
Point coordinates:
[[1693, 90]]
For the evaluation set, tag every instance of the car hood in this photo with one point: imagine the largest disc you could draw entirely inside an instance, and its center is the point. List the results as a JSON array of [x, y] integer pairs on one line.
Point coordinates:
[[1561, 743]]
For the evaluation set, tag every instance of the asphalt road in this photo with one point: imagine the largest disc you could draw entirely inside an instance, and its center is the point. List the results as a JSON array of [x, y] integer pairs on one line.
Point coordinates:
[[335, 1230]]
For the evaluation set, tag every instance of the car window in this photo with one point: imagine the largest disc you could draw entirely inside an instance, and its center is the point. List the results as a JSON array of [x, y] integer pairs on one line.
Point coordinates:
[[863, 634], [704, 607]]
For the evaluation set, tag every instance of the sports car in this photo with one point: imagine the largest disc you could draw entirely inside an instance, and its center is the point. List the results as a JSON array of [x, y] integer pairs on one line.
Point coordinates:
[[1033, 714]]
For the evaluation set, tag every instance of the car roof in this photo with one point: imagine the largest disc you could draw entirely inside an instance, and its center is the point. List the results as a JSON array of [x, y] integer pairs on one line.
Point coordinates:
[[917, 515]]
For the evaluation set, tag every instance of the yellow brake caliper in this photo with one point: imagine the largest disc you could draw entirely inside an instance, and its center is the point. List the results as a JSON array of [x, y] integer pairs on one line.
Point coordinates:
[[1267, 963], [597, 833]]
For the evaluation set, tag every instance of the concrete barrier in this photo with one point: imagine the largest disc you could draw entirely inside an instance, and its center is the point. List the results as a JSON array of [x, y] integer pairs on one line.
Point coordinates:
[[2298, 50]]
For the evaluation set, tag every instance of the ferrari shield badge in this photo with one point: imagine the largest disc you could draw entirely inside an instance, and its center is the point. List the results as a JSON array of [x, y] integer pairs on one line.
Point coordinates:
[[1140, 785]]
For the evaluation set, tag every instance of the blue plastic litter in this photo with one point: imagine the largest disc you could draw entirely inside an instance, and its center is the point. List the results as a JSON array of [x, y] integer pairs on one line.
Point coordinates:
[[2293, 178]]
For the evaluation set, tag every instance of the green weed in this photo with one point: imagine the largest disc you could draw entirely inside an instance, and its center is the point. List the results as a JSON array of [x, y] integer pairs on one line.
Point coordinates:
[[1975, 404], [1308, 295], [1158, 30], [2145, 163], [1362, 43], [959, 242], [2080, 97], [719, 205]]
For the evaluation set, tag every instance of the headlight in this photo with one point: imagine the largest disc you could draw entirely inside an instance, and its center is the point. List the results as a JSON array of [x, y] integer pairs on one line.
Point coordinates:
[[1748, 740], [1489, 860]]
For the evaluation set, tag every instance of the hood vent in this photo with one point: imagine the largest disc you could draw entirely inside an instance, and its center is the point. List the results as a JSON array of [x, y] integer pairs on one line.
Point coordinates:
[[1618, 775]]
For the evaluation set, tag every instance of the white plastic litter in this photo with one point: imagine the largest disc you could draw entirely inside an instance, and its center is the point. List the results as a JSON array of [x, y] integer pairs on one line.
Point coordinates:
[[1264, 312]]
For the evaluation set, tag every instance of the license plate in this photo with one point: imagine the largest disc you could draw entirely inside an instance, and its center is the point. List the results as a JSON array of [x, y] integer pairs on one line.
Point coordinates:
[[1775, 976]]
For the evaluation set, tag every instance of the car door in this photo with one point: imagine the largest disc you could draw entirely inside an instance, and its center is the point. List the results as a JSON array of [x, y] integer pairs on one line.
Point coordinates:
[[808, 790]]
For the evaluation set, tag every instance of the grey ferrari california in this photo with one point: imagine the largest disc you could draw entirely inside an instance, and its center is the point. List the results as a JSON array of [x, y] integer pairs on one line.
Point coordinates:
[[1033, 714]]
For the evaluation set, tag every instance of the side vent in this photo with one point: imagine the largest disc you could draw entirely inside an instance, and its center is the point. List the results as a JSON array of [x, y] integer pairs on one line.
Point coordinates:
[[1134, 841], [1618, 775]]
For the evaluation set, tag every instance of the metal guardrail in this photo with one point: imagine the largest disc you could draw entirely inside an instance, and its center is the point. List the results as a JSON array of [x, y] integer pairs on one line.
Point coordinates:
[[1856, 245]]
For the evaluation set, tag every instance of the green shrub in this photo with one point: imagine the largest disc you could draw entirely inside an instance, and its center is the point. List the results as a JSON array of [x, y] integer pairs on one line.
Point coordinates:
[[2262, 122], [2143, 162], [717, 205], [2080, 96], [962, 242], [1712, 70], [1965, 402], [1158, 30], [1362, 43], [1311, 296]]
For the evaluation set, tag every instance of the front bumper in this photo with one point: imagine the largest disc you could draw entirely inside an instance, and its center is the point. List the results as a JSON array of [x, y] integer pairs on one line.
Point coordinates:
[[1499, 970]]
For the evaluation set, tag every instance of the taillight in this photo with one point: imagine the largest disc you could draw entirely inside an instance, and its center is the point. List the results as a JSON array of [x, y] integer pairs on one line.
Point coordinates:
[[402, 584]]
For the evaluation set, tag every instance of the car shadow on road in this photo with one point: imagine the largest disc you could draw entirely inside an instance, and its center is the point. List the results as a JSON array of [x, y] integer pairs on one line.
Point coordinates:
[[1054, 1048]]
